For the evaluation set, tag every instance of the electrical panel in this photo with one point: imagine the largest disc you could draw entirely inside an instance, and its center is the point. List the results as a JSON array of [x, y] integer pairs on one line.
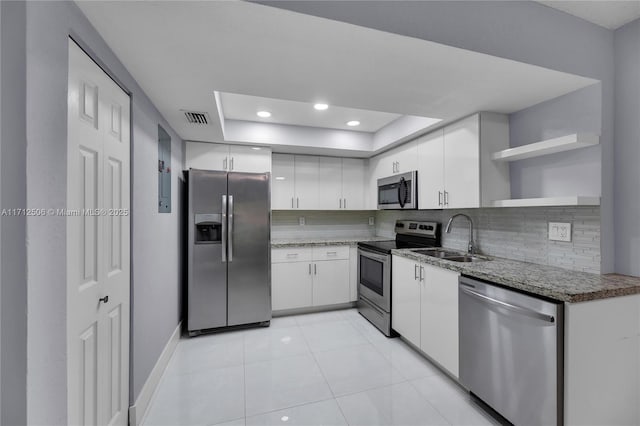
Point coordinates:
[[164, 171]]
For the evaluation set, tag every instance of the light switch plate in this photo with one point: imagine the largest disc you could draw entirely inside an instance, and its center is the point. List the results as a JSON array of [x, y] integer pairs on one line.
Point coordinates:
[[301, 221], [559, 231], [372, 221]]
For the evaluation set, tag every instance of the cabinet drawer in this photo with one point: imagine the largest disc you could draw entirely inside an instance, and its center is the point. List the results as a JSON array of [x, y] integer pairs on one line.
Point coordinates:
[[330, 252], [291, 254]]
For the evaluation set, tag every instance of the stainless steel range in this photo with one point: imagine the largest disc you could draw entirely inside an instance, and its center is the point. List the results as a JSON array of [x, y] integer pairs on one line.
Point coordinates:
[[374, 268]]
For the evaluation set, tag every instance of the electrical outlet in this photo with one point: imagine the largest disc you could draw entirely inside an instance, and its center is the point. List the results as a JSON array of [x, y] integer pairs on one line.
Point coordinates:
[[559, 231], [372, 221], [301, 221]]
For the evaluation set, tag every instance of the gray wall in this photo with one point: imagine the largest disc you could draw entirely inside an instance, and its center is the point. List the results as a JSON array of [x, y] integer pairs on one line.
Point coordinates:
[[517, 233], [627, 148], [13, 290], [523, 31], [567, 173], [155, 241]]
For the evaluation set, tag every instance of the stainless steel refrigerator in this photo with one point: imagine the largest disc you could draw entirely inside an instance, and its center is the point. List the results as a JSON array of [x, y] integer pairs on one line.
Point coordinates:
[[229, 266]]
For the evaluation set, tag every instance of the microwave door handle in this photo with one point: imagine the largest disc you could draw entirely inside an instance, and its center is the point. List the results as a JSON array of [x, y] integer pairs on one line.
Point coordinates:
[[403, 192]]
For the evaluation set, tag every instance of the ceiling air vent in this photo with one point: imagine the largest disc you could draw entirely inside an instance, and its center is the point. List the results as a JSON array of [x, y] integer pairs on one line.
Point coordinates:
[[197, 117]]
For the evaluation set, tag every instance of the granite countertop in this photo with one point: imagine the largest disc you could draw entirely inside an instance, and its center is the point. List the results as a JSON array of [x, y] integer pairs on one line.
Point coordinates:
[[548, 281], [338, 241]]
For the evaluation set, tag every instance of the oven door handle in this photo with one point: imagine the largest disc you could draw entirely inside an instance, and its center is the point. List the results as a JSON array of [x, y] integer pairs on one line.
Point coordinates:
[[373, 255]]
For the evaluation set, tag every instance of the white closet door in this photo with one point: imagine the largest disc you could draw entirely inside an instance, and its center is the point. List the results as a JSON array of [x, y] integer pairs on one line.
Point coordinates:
[[98, 240]]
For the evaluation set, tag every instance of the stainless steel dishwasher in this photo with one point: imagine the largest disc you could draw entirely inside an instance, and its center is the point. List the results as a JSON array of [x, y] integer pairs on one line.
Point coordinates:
[[511, 352]]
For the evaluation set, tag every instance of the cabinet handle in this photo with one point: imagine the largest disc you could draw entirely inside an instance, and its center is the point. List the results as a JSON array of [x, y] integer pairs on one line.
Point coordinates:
[[446, 198], [292, 206], [297, 202], [439, 198], [332, 253], [397, 167], [224, 164], [421, 274], [340, 202], [231, 164], [291, 255], [315, 269], [345, 203], [309, 269], [415, 272]]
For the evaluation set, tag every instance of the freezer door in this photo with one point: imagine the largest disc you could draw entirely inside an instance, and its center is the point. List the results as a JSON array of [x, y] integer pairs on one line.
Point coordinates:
[[249, 263], [207, 286]]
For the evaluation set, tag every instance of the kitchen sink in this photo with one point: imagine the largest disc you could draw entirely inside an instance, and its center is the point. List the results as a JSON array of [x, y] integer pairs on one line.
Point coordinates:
[[465, 258], [437, 253], [453, 256]]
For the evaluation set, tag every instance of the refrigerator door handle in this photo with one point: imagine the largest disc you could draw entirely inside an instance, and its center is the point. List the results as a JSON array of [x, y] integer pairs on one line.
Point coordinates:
[[224, 228], [230, 228]]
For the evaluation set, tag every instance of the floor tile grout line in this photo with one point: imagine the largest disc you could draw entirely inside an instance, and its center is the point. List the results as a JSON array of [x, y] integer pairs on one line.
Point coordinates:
[[428, 401]]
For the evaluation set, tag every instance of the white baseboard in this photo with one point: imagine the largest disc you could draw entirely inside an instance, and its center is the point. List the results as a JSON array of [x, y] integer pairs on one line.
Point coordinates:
[[139, 409]]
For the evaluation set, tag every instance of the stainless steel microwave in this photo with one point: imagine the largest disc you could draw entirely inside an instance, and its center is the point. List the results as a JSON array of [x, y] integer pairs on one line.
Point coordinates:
[[398, 191]]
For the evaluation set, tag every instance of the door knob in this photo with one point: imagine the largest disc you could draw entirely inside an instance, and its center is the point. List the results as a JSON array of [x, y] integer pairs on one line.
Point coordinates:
[[103, 299]]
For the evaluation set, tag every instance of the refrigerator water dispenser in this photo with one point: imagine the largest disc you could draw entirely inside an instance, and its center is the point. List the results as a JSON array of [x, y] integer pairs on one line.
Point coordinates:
[[208, 229]]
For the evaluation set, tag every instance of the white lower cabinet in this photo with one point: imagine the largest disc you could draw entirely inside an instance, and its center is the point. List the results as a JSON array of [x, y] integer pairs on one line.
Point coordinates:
[[425, 309], [303, 277], [291, 285], [330, 282]]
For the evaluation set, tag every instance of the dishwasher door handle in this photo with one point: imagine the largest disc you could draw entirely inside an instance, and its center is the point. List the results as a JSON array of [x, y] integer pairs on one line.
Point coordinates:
[[513, 308]]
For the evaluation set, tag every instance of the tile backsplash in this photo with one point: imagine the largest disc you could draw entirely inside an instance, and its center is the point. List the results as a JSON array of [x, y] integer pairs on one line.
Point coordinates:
[[285, 224], [516, 233]]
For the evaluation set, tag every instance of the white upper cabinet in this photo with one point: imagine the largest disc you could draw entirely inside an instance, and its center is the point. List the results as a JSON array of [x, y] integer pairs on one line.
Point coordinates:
[[250, 159], [330, 191], [282, 182], [317, 183], [353, 176], [462, 164], [206, 156], [228, 158], [307, 175], [456, 170], [431, 170]]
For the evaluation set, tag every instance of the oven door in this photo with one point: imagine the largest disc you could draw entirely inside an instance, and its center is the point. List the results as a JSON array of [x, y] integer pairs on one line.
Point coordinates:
[[374, 278], [398, 192]]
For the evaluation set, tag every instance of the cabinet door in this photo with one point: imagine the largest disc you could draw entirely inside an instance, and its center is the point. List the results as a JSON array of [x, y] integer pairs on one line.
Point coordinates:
[[291, 285], [250, 159], [406, 157], [353, 274], [462, 163], [431, 170], [353, 172], [282, 182], [206, 156], [439, 322], [307, 172], [330, 282], [330, 183], [405, 299]]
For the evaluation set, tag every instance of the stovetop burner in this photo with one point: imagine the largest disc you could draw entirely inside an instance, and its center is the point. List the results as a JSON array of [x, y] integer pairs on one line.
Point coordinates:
[[409, 234]]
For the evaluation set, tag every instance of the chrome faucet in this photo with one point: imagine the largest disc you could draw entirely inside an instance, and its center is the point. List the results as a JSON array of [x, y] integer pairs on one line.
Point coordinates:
[[471, 248]]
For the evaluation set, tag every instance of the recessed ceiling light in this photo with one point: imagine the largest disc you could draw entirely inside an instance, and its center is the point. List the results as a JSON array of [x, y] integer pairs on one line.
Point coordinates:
[[257, 148], [353, 123], [264, 114], [321, 107], [284, 418], [279, 177]]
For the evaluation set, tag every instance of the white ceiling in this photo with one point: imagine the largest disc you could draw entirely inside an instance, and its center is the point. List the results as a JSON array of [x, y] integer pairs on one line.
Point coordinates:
[[611, 14], [244, 107], [181, 52]]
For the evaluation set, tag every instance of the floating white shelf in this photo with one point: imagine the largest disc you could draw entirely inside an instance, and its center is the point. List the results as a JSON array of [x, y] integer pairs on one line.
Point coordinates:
[[575, 200], [550, 146]]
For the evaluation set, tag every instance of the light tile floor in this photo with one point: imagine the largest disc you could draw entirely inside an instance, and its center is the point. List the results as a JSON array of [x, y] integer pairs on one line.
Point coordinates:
[[330, 368]]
